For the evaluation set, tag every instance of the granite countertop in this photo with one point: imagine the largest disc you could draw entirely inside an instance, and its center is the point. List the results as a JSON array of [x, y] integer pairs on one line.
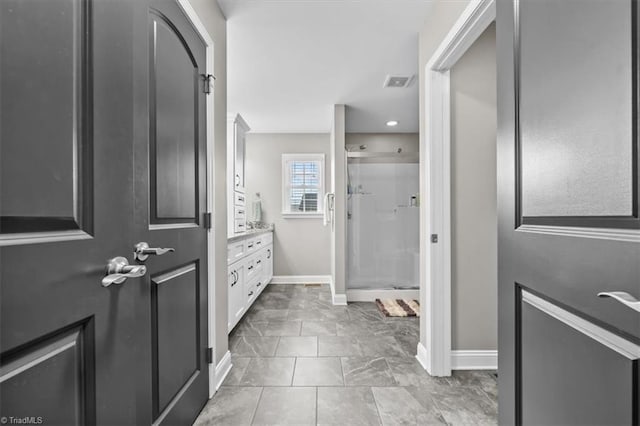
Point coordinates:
[[250, 233]]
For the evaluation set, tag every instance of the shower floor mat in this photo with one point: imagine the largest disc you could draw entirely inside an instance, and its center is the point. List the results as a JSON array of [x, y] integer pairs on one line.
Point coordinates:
[[399, 307]]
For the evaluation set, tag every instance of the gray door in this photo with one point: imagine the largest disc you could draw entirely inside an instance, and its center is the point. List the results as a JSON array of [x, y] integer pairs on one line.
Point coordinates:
[[66, 204], [569, 225], [103, 147], [170, 204]]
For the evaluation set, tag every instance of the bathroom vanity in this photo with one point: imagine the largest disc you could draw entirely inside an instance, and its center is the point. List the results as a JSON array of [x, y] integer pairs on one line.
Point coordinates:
[[250, 270]]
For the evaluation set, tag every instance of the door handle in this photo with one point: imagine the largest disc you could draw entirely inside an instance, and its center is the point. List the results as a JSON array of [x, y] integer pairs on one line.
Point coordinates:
[[622, 297], [143, 251], [118, 270], [237, 180]]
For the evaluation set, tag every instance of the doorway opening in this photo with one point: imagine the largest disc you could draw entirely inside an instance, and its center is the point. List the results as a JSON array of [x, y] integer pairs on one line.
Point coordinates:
[[452, 196]]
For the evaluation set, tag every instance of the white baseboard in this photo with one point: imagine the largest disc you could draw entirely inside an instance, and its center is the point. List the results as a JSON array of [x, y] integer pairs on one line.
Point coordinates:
[[372, 295], [474, 360], [301, 279], [423, 357], [462, 360], [222, 369], [339, 299]]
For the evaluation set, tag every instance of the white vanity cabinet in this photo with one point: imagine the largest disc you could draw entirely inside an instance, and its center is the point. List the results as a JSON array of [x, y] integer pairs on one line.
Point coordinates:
[[237, 130], [250, 270]]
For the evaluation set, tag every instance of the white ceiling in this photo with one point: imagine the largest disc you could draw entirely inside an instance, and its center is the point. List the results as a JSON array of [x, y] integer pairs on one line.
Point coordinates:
[[290, 60]]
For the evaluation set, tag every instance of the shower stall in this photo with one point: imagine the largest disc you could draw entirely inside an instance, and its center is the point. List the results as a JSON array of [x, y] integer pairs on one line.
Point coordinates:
[[383, 246]]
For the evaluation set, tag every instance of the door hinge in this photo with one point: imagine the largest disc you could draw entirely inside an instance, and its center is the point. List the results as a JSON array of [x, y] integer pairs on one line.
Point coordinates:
[[209, 355], [208, 82], [207, 220], [434, 238]]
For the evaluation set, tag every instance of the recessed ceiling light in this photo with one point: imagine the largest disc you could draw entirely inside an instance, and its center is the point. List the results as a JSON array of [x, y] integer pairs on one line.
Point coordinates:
[[392, 123]]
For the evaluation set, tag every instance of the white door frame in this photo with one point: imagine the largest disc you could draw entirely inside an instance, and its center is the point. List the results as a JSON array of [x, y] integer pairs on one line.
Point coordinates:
[[192, 16], [435, 353]]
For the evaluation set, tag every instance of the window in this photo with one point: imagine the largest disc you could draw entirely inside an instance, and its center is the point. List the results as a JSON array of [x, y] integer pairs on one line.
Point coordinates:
[[302, 185]]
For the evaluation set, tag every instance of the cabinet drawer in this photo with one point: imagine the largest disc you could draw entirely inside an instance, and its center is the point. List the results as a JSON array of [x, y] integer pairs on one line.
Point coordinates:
[[261, 284], [239, 199], [251, 245], [251, 268], [259, 262], [235, 251], [251, 292], [239, 212], [240, 225]]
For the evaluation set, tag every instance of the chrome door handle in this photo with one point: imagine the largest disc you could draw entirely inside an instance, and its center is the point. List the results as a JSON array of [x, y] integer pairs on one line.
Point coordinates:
[[622, 297], [143, 251], [118, 270]]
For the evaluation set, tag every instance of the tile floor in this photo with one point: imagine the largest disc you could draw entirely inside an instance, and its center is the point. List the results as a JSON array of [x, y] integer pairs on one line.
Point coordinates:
[[297, 359]]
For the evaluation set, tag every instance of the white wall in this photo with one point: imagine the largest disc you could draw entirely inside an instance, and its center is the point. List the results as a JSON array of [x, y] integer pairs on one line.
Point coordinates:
[[215, 22], [301, 245], [474, 221]]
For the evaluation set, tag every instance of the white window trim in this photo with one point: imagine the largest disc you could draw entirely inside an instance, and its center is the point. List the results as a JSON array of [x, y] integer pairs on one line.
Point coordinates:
[[286, 213]]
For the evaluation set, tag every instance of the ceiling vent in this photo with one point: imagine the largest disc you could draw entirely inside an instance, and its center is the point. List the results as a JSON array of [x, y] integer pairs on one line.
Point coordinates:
[[400, 81]]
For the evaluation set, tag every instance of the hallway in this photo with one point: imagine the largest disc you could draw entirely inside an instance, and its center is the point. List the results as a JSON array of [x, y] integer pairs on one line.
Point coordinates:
[[297, 359]]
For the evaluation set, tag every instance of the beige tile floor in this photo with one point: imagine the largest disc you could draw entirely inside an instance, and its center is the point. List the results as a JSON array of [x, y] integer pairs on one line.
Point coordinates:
[[299, 360]]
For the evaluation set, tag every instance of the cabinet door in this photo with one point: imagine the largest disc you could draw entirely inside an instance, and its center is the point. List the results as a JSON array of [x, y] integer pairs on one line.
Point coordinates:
[[237, 300], [268, 264], [239, 158]]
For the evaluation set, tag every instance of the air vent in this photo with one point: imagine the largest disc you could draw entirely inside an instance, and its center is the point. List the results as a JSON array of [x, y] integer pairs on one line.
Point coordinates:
[[399, 81]]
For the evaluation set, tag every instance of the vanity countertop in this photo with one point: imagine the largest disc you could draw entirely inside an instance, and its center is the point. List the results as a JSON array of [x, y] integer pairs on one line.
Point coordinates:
[[250, 233]]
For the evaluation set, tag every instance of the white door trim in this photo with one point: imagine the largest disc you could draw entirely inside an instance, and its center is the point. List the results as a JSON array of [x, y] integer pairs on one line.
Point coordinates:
[[191, 14], [435, 161]]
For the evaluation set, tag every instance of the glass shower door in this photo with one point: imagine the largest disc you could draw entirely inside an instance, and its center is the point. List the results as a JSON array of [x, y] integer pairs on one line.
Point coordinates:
[[382, 221]]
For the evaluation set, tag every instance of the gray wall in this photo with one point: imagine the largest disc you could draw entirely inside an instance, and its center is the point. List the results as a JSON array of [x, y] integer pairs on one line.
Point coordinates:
[[474, 219], [339, 188], [383, 142], [438, 23], [301, 245], [216, 24]]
